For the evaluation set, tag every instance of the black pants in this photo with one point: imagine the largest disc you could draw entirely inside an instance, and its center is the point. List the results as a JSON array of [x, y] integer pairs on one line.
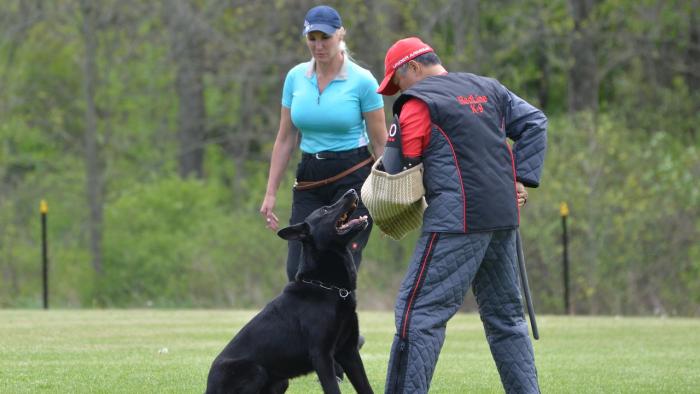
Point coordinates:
[[322, 166]]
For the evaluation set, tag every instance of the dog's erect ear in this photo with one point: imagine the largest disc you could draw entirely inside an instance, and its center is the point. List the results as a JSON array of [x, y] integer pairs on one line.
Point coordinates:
[[295, 232]]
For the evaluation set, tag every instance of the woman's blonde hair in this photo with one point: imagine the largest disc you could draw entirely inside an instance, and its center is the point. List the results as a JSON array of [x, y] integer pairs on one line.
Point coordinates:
[[343, 45]]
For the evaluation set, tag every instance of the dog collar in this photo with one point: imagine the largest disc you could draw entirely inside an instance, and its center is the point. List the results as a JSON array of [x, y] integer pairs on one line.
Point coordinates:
[[343, 293]]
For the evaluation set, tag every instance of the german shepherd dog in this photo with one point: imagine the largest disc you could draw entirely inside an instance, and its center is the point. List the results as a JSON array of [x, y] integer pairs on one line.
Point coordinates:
[[311, 323]]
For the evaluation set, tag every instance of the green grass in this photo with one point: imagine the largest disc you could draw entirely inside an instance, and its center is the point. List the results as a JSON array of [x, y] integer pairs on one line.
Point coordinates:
[[119, 351]]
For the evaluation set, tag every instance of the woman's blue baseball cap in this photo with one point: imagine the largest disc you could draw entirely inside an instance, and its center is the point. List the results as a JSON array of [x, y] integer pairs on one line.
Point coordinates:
[[322, 18]]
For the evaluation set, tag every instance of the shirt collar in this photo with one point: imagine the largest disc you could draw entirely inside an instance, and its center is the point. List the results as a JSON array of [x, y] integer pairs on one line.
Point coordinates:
[[342, 74]]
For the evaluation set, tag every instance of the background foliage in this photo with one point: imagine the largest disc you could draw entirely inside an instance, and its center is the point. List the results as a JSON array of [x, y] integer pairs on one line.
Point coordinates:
[[148, 125]]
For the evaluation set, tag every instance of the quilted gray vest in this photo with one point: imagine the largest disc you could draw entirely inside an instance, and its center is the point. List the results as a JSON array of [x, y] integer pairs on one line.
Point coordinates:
[[469, 172]]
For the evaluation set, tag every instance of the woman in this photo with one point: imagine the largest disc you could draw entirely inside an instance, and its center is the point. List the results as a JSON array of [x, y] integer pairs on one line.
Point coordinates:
[[333, 103]]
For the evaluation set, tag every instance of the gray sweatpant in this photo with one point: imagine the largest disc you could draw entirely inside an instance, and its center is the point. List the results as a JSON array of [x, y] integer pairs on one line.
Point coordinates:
[[442, 268]]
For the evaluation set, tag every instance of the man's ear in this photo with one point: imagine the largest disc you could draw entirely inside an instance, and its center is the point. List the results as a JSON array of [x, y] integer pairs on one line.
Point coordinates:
[[295, 232], [415, 66]]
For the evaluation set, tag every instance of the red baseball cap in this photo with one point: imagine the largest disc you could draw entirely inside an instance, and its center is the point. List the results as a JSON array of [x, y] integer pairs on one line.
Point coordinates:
[[399, 54]]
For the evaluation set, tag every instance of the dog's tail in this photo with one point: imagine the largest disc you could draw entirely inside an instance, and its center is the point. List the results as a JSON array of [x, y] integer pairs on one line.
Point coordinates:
[[235, 376]]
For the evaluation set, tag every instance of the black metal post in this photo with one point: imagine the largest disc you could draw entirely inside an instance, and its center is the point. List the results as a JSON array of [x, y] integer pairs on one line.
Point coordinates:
[[44, 209], [564, 210]]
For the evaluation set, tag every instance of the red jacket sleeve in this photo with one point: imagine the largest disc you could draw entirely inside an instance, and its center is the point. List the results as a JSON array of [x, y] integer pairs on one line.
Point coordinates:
[[415, 127]]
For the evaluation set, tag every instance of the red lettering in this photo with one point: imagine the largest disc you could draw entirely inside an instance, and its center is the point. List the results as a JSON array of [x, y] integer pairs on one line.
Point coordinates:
[[477, 108], [471, 100]]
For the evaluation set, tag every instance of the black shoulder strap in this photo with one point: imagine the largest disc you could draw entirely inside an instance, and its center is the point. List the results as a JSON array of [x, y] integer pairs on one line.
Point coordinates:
[[393, 154]]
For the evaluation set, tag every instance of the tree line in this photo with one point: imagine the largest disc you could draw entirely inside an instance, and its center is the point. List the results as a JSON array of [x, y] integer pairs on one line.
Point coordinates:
[[147, 126]]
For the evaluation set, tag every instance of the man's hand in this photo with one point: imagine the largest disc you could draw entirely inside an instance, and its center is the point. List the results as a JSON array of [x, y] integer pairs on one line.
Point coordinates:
[[522, 194]]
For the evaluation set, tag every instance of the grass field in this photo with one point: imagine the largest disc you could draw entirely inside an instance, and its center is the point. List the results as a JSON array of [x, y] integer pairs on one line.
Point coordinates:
[[124, 351]]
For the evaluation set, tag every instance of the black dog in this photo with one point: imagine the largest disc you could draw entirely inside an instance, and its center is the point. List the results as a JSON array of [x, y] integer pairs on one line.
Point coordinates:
[[311, 323]]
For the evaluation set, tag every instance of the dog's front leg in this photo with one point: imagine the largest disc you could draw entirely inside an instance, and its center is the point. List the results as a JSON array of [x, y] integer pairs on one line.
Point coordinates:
[[351, 362], [325, 369]]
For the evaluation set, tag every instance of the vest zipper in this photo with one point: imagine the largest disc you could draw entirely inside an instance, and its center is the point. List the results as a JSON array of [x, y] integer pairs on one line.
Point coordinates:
[[399, 360]]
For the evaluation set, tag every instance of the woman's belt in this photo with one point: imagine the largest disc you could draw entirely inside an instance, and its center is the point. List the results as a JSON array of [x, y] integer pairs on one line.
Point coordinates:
[[306, 185], [346, 154]]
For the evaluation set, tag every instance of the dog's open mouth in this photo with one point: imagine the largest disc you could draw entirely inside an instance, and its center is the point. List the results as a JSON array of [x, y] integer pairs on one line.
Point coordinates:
[[345, 224]]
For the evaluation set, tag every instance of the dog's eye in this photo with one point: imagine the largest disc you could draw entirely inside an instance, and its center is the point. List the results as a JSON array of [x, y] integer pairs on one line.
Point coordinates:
[[325, 210]]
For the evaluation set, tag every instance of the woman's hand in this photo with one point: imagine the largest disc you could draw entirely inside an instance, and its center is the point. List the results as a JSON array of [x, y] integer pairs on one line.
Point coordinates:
[[266, 210]]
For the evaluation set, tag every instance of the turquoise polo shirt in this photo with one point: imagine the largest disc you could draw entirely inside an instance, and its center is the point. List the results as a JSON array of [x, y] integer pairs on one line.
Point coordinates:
[[332, 120]]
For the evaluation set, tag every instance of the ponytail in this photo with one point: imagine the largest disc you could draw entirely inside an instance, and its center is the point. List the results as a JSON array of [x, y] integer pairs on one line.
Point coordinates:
[[343, 45]]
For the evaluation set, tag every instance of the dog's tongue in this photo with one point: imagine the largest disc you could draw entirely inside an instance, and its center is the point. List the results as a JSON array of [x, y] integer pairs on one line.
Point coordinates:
[[353, 222]]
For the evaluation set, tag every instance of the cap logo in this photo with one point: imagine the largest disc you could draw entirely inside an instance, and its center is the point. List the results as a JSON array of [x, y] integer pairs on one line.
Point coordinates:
[[411, 55]]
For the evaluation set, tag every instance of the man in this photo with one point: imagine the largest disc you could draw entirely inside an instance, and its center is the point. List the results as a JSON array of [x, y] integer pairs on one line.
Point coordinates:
[[457, 125]]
